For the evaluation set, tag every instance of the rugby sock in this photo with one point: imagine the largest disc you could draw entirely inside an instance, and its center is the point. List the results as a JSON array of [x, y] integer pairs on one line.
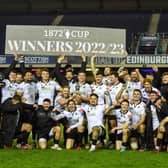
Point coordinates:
[[158, 144], [124, 144], [19, 140], [33, 135], [22, 139], [25, 137], [33, 139], [142, 137], [79, 139], [94, 142], [65, 136], [112, 138], [86, 136], [56, 141]]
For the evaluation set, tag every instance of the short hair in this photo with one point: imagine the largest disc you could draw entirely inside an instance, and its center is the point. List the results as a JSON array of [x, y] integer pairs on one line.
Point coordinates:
[[108, 67], [99, 72], [47, 100], [94, 94], [66, 86], [82, 71], [153, 92], [149, 73], [67, 66], [115, 74], [27, 71], [137, 90], [17, 97], [164, 74], [45, 69], [68, 71], [147, 80], [125, 101], [71, 100], [133, 70], [19, 73], [13, 71]]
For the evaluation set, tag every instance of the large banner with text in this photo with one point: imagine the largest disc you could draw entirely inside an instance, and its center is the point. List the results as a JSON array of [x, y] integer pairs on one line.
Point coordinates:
[[110, 61], [67, 40]]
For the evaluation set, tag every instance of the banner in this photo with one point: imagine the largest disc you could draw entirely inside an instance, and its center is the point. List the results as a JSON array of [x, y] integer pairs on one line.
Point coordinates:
[[110, 61], [50, 60], [67, 40], [29, 59], [147, 59]]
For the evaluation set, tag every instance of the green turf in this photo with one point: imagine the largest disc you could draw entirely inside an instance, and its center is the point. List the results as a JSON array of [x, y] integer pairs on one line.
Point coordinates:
[[81, 159]]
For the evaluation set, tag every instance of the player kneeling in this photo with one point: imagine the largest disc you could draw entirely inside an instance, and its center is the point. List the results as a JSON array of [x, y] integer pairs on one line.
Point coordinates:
[[94, 115], [46, 127], [124, 119], [74, 128], [137, 108]]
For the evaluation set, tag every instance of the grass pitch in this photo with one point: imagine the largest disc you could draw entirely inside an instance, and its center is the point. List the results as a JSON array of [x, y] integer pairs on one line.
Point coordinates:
[[81, 159]]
